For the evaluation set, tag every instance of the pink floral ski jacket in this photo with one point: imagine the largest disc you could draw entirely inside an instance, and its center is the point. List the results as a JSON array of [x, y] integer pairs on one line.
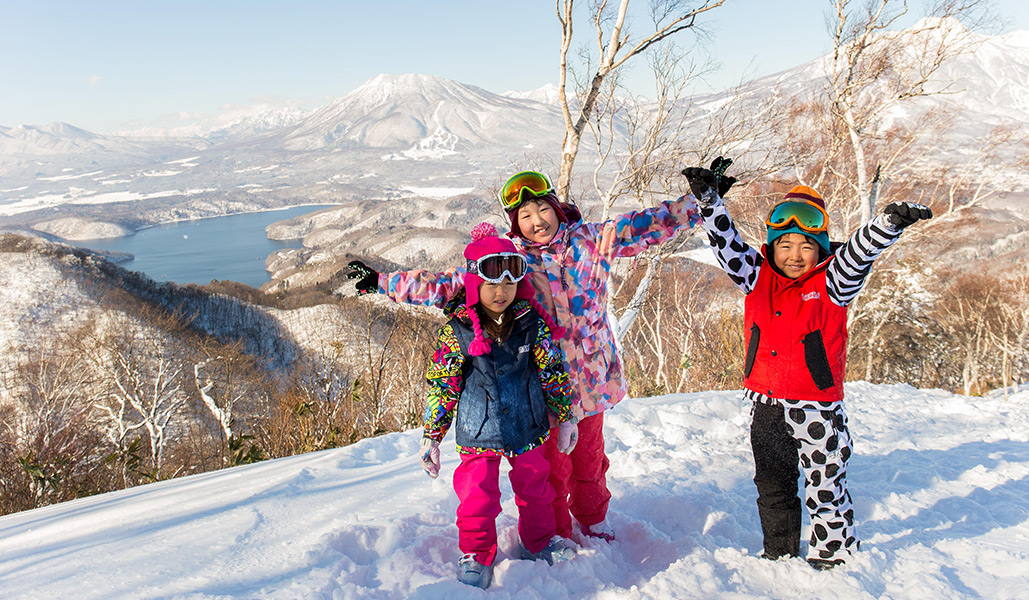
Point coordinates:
[[570, 278]]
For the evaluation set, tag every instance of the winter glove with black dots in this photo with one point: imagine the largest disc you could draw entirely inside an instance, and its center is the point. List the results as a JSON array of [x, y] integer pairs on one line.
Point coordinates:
[[429, 456], [367, 277], [902, 214], [702, 181]]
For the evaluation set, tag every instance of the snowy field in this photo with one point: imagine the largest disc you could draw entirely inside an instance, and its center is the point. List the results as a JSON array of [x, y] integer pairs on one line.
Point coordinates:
[[940, 483]]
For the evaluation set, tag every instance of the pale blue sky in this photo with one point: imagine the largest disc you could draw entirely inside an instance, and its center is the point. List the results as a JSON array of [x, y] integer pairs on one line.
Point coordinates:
[[106, 65]]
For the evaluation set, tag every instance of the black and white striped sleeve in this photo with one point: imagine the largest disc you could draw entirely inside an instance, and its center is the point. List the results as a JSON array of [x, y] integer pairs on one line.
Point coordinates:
[[737, 258], [846, 273]]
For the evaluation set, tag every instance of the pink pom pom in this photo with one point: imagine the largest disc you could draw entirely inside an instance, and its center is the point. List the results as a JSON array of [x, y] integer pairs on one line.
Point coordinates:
[[479, 346], [483, 230]]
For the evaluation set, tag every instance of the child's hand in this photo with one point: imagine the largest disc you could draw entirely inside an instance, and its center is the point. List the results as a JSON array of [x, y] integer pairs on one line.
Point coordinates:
[[903, 214], [430, 457], [567, 436], [367, 277], [702, 180]]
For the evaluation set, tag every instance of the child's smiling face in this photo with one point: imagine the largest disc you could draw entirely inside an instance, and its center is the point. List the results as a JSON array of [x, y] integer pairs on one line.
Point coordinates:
[[794, 254], [538, 221]]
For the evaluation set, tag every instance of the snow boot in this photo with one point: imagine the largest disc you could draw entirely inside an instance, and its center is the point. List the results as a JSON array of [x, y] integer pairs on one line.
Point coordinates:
[[821, 564], [558, 550], [471, 572]]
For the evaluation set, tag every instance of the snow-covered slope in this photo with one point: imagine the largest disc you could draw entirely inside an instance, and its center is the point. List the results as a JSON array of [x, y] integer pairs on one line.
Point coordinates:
[[940, 483]]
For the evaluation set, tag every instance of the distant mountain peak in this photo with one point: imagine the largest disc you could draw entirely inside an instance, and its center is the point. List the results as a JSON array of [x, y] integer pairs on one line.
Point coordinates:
[[547, 94], [416, 112]]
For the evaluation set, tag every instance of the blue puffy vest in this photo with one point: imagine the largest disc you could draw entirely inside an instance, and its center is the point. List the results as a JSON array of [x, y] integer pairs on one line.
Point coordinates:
[[502, 404]]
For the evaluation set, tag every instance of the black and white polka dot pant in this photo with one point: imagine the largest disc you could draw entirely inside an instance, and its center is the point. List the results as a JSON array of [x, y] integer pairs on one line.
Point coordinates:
[[824, 447], [815, 440]]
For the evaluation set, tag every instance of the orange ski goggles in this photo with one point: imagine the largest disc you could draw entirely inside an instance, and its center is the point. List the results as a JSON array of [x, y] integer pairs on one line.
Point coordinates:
[[805, 215]]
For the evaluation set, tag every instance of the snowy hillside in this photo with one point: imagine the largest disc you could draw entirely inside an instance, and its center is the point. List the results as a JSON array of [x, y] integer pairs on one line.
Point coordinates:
[[940, 483]]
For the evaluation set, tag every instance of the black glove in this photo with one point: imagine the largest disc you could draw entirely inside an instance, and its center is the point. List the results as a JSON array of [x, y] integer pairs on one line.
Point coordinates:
[[701, 180], [902, 214], [367, 277]]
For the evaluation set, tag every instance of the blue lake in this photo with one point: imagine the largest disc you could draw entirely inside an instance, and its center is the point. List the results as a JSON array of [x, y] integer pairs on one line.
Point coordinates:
[[233, 247]]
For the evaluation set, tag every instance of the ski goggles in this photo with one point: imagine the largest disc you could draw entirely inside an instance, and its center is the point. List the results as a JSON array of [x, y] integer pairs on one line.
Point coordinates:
[[495, 267], [512, 194], [808, 217]]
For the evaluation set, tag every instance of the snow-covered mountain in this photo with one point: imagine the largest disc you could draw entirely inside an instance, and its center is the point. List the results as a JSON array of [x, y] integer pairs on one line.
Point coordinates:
[[427, 113], [393, 136], [986, 85], [941, 497], [405, 136], [548, 94]]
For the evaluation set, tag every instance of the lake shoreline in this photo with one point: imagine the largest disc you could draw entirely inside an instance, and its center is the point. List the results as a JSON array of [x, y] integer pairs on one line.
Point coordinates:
[[232, 247]]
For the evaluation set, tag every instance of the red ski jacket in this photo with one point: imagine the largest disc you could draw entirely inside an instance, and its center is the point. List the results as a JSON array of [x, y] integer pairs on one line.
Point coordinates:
[[796, 336]]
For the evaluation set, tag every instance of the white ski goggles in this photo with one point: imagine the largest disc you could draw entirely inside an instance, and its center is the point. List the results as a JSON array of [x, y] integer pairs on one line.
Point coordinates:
[[495, 267]]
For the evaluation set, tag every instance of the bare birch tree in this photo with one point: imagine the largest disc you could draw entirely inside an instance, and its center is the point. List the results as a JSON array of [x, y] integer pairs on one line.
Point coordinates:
[[141, 371], [874, 69], [616, 45]]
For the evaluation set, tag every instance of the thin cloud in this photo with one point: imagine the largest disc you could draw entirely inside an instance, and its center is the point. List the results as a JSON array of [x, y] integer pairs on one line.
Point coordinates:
[[93, 80]]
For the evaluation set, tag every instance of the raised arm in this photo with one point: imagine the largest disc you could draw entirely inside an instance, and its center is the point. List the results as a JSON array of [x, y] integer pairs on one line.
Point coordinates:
[[738, 259], [633, 232], [846, 274], [419, 286]]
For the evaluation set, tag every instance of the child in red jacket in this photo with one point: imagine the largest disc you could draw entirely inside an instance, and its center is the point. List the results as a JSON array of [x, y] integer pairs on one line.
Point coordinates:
[[795, 317]]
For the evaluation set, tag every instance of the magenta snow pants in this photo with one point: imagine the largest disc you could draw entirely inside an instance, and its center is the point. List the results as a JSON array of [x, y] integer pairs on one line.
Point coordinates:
[[477, 483], [580, 479]]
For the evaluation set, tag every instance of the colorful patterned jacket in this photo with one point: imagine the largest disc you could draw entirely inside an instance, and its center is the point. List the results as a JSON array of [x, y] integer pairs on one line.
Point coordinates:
[[570, 276], [448, 370]]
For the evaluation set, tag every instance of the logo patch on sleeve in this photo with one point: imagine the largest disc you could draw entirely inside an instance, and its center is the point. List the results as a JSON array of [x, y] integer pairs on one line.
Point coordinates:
[[437, 374], [524, 349]]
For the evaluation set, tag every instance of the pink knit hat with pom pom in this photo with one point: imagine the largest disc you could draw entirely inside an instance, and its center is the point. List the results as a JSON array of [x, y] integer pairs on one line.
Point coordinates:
[[486, 241]]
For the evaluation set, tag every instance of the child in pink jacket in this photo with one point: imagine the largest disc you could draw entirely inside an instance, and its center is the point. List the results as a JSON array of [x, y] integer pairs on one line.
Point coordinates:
[[569, 263]]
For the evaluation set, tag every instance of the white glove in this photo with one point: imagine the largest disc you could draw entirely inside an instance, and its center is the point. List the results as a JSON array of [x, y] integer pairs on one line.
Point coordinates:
[[567, 436], [430, 457]]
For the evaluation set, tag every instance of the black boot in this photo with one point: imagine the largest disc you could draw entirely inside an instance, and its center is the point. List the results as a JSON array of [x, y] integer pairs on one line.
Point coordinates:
[[821, 564]]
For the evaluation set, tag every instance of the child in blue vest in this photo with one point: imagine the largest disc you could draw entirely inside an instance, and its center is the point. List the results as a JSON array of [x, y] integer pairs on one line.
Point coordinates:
[[795, 318], [498, 379]]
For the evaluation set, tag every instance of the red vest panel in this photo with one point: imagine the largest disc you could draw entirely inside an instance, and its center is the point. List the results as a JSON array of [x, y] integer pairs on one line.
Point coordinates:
[[796, 337]]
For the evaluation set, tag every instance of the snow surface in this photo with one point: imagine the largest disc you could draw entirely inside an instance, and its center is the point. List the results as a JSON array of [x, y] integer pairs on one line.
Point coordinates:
[[940, 484]]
